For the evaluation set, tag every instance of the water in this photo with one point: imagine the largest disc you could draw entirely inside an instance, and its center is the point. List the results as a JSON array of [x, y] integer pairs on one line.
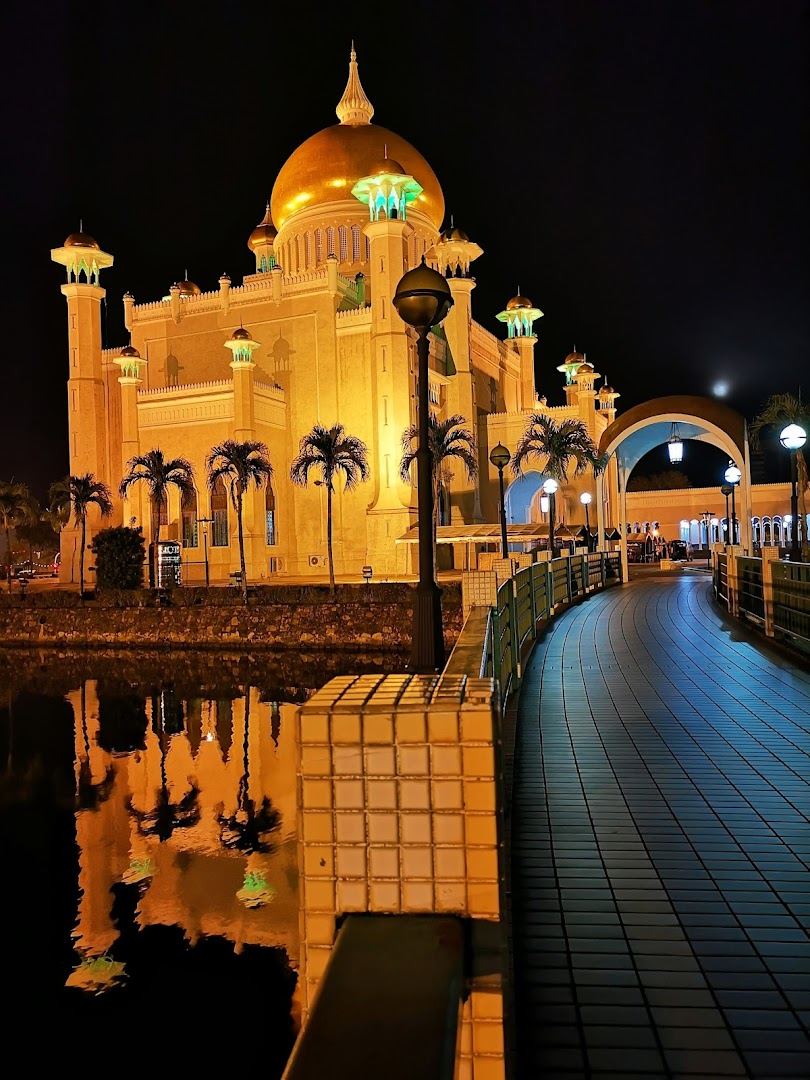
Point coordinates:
[[149, 909]]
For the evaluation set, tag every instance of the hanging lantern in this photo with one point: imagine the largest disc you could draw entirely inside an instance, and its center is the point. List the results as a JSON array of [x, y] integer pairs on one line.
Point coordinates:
[[675, 446]]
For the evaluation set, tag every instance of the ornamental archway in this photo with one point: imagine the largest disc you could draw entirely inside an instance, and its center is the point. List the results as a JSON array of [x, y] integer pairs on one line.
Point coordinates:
[[642, 428]]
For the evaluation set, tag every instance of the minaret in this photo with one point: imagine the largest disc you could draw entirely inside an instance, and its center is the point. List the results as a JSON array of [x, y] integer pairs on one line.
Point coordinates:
[[242, 346], [584, 380], [83, 258], [131, 363], [569, 367], [452, 256], [519, 316], [607, 402], [387, 191], [354, 108], [261, 242]]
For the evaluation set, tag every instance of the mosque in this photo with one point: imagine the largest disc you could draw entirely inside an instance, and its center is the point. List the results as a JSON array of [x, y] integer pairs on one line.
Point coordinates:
[[312, 337]]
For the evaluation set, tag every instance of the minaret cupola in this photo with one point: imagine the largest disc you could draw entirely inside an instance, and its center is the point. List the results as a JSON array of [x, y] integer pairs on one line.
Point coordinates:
[[261, 242], [387, 190], [81, 254], [131, 363], [241, 345], [519, 315], [453, 253], [571, 365]]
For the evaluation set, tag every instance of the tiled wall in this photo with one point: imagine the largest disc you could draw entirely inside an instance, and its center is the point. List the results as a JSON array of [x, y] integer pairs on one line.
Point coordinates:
[[398, 791]]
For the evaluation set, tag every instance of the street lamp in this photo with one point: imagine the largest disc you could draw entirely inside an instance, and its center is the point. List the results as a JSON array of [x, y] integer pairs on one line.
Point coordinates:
[[733, 477], [549, 487], [706, 518], [422, 300], [205, 522], [726, 490], [585, 499], [500, 458], [793, 439], [675, 446]]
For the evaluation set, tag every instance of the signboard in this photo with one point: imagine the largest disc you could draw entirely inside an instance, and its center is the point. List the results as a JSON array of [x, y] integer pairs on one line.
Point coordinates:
[[167, 563]]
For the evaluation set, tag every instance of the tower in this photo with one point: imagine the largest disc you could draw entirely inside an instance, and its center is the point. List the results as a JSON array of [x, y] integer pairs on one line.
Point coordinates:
[[584, 380], [243, 366], [84, 259], [520, 315], [131, 363], [452, 256], [569, 367]]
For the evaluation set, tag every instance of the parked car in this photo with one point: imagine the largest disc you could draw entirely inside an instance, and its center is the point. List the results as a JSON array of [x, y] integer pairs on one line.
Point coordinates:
[[681, 551], [24, 570]]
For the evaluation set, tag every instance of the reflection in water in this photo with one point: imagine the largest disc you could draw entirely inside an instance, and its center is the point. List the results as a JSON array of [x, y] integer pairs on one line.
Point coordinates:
[[170, 802]]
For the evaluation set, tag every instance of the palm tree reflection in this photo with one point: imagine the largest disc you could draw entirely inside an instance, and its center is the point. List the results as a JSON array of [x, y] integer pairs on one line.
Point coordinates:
[[248, 829]]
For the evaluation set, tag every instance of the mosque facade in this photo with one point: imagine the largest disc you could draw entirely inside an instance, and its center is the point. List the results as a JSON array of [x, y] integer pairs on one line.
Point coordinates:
[[311, 336]]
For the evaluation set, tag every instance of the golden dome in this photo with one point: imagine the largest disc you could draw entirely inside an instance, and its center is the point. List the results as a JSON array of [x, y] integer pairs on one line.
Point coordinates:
[[325, 168], [574, 357], [240, 334], [264, 233], [607, 390], [518, 302], [585, 369], [188, 288], [388, 165], [129, 350], [451, 234], [81, 239]]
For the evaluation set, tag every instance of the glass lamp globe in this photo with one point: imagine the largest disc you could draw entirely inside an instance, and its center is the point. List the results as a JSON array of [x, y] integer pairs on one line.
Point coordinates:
[[585, 498], [550, 486], [732, 474], [793, 437]]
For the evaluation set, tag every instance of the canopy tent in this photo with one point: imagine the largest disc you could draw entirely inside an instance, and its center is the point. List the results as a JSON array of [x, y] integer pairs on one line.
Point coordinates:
[[479, 534]]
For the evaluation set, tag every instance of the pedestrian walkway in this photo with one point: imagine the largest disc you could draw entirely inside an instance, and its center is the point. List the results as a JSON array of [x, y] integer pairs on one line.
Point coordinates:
[[660, 845]]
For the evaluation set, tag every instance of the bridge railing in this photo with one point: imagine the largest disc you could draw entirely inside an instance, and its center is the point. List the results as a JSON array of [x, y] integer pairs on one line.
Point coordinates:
[[529, 599], [769, 592]]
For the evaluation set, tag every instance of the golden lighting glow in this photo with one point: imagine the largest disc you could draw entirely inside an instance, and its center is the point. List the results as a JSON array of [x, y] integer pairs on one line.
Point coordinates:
[[343, 151], [338, 183]]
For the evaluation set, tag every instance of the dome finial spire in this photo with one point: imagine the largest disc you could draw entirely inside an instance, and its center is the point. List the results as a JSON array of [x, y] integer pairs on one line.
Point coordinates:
[[354, 108]]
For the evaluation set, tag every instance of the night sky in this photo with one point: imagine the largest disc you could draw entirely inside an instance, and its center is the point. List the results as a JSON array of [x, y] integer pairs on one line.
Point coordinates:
[[639, 169]]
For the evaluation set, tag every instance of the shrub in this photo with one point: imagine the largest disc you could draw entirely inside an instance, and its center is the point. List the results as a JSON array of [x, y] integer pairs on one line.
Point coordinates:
[[119, 553]]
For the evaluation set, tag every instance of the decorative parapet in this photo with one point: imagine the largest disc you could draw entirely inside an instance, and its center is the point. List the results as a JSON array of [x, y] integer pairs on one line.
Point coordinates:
[[272, 390], [203, 387], [354, 317]]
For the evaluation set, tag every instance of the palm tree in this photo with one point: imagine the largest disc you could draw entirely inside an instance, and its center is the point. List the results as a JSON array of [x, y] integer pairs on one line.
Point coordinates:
[[779, 411], [158, 474], [447, 439], [16, 508], [74, 496], [331, 451], [559, 445], [238, 465]]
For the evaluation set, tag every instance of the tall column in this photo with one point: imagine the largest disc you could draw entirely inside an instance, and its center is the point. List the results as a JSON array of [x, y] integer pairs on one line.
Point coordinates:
[[131, 364], [525, 350], [242, 345], [457, 329]]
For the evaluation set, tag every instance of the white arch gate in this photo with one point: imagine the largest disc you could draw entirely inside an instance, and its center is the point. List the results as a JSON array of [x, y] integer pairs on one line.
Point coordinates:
[[642, 428]]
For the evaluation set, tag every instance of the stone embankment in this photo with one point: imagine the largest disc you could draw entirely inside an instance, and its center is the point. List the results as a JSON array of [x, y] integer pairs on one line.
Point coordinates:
[[356, 618]]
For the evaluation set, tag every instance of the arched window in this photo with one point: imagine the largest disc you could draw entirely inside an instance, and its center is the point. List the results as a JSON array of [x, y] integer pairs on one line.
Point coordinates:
[[777, 530], [299, 253], [415, 250], [270, 514], [756, 531], [219, 512], [355, 243], [766, 530], [343, 237], [368, 249], [189, 514], [318, 247], [330, 241], [308, 246], [263, 264]]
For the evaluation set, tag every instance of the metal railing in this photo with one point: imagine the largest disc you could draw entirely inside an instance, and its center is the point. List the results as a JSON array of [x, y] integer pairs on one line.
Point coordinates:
[[750, 598], [791, 601], [721, 578], [533, 596]]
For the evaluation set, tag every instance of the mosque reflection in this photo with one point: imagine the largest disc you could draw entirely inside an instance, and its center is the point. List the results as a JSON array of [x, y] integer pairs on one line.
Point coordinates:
[[193, 801]]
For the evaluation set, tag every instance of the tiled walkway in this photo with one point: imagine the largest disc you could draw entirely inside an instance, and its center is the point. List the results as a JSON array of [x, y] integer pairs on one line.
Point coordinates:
[[660, 845]]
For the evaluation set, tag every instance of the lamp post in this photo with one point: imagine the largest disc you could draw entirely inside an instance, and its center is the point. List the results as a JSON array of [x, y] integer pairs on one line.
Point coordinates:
[[793, 439], [422, 300], [726, 490], [706, 517], [733, 477], [500, 458], [585, 499], [549, 487], [205, 522]]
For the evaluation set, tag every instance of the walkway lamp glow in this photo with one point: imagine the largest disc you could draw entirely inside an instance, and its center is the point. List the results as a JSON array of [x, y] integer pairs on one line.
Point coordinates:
[[549, 487], [544, 504], [793, 439], [585, 499], [500, 458], [422, 300], [733, 476], [675, 446]]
